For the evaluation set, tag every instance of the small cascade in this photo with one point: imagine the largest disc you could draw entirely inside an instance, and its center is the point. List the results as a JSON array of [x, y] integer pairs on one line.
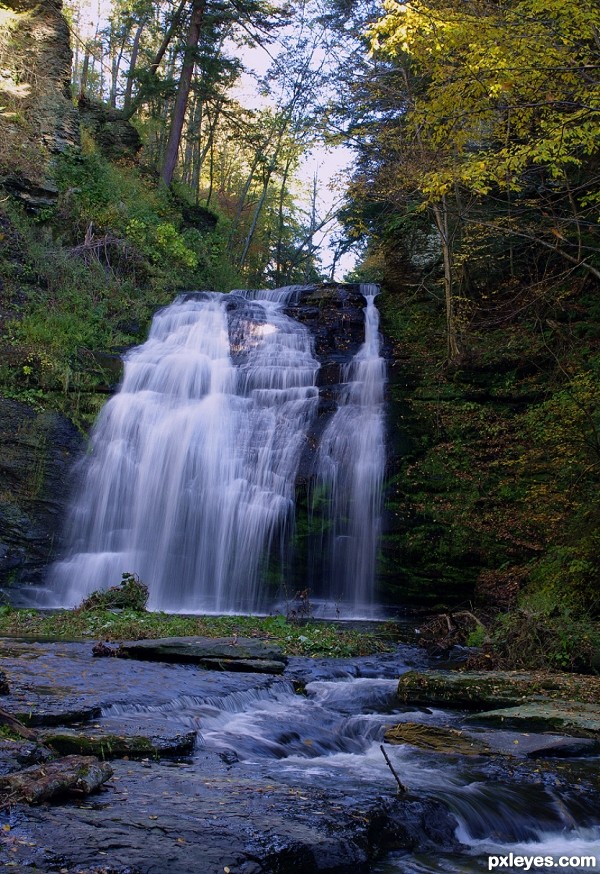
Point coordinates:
[[350, 470], [191, 478]]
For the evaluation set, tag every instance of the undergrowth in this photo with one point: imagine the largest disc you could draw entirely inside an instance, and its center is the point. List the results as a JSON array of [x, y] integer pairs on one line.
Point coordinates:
[[79, 282], [306, 639]]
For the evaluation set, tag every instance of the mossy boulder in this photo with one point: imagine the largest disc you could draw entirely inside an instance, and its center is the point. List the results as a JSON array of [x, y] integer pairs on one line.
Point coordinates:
[[486, 690], [436, 739], [112, 746]]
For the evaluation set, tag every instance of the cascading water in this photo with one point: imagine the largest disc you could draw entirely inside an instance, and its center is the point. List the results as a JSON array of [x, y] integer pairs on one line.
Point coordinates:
[[191, 479], [350, 469]]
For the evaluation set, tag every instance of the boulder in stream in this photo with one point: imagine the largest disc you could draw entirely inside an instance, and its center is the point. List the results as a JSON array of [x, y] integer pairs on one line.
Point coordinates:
[[581, 720], [436, 739], [113, 746], [484, 690]]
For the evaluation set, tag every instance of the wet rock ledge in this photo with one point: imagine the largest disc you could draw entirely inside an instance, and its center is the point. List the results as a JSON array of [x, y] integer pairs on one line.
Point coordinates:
[[217, 654], [534, 701], [176, 810]]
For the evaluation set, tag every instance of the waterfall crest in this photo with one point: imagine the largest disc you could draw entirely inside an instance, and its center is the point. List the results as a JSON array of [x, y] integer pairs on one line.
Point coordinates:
[[190, 481]]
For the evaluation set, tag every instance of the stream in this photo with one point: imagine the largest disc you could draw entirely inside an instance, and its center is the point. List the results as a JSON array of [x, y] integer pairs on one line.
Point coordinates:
[[327, 738]]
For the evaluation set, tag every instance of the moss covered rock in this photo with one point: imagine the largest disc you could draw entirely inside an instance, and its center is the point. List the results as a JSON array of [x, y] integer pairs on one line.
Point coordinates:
[[37, 452], [581, 720], [112, 746], [484, 690]]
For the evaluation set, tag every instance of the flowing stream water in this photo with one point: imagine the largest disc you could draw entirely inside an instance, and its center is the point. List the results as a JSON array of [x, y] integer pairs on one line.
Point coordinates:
[[331, 735], [191, 478]]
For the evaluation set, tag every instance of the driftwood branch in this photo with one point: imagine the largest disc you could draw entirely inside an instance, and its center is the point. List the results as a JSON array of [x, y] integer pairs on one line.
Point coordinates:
[[401, 787]]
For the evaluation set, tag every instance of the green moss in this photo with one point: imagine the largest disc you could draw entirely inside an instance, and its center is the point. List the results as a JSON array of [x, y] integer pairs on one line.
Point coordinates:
[[107, 746]]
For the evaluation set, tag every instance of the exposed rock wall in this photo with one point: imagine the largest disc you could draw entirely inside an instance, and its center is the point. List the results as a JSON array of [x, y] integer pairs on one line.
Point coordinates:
[[37, 453], [39, 118]]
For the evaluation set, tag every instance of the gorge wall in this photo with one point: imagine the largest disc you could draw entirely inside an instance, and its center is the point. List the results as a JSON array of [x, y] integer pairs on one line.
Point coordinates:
[[39, 118]]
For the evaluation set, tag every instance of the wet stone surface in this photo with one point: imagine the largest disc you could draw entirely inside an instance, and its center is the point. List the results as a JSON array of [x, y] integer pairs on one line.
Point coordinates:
[[158, 818], [221, 654], [286, 775]]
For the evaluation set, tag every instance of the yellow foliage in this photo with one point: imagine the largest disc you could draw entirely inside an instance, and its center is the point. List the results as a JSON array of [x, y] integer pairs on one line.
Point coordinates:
[[508, 86]]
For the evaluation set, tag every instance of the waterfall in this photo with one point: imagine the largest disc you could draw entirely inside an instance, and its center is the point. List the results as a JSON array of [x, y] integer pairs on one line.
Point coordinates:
[[190, 480], [350, 469]]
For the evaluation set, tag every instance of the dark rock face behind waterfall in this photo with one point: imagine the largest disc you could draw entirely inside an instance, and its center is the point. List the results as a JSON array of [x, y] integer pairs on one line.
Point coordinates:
[[37, 452]]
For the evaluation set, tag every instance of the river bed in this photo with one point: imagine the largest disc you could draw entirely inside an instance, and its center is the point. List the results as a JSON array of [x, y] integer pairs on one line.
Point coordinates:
[[284, 770]]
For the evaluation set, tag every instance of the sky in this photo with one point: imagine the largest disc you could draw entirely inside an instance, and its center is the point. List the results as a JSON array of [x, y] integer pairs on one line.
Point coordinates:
[[332, 164]]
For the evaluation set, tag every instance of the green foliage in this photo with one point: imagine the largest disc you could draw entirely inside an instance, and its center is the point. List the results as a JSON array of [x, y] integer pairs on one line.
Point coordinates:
[[477, 637], [546, 636], [84, 279], [309, 639], [130, 594]]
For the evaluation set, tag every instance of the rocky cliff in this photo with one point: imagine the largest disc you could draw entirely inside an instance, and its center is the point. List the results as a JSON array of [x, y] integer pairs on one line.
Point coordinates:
[[37, 454], [39, 119]]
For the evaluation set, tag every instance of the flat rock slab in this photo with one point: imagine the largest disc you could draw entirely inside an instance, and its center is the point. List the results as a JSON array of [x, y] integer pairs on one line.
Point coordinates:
[[62, 684], [179, 819], [113, 746], [218, 654], [73, 774], [484, 690], [581, 720], [478, 742], [437, 739]]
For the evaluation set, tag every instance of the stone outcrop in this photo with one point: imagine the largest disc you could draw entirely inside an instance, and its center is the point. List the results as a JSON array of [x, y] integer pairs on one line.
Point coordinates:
[[37, 452], [532, 701], [219, 654], [113, 133], [580, 720], [482, 690], [106, 746], [39, 119]]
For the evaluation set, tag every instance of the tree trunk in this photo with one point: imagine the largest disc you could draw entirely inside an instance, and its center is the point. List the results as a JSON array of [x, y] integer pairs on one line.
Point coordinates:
[[183, 91], [133, 105], [279, 271], [84, 71], [135, 50], [440, 214]]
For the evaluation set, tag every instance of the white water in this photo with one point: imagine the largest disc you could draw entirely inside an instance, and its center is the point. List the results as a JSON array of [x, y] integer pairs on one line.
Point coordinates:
[[190, 482], [350, 469], [331, 736]]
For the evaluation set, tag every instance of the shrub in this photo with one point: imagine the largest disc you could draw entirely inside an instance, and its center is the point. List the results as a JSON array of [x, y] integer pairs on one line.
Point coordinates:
[[557, 639], [130, 594]]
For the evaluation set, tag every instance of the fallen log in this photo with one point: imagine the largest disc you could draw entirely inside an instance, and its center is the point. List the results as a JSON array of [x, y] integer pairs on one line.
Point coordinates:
[[72, 775]]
